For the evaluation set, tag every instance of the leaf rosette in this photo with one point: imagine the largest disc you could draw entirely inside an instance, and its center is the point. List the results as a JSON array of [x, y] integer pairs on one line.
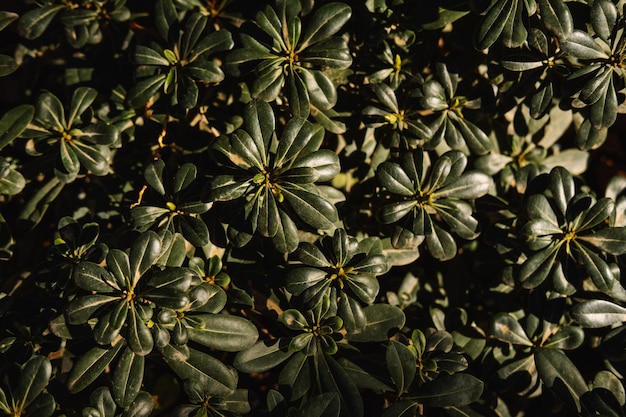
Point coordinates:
[[568, 236], [293, 56], [422, 197], [273, 182], [341, 268]]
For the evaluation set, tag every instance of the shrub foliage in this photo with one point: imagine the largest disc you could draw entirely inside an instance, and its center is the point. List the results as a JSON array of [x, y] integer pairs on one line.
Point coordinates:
[[312, 208]]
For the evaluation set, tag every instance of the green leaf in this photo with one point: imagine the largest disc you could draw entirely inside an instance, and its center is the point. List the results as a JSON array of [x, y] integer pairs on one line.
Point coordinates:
[[611, 240], [223, 332], [127, 378], [503, 20], [393, 178], [201, 367], [298, 134], [297, 95], [148, 56], [80, 309], [320, 88], [6, 18], [556, 17], [568, 338], [34, 22], [505, 327], [296, 375], [450, 390], [33, 379], [263, 355], [142, 406], [326, 21], [145, 250], [598, 313], [560, 375], [600, 272], [333, 378], [603, 17], [166, 19], [469, 187], [90, 365], [139, 336], [538, 266], [582, 46], [50, 111], [382, 321], [401, 365], [311, 208], [144, 90], [81, 100], [92, 277], [14, 122], [321, 405], [8, 65], [154, 176]]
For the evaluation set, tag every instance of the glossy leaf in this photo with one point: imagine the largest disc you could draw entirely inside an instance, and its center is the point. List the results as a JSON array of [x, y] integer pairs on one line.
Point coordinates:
[[401, 365], [222, 332], [90, 365], [451, 390], [262, 356], [34, 22], [598, 313], [382, 321], [506, 328], [127, 378], [560, 375]]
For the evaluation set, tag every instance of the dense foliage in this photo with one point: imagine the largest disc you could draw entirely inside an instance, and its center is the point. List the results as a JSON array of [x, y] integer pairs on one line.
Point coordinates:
[[312, 208]]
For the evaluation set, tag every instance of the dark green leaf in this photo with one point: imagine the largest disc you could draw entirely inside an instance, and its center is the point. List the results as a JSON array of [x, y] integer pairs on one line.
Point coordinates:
[[505, 327], [263, 355], [81, 100], [321, 405], [92, 277], [34, 22], [582, 46], [144, 90], [33, 379], [603, 18], [382, 321], [139, 336], [538, 266], [80, 309], [142, 406], [201, 367], [393, 178], [14, 122], [326, 21], [90, 365], [611, 240], [8, 65], [143, 253], [598, 313], [556, 17], [451, 390], [223, 332], [568, 338], [503, 20], [6, 18], [148, 56], [560, 375], [127, 378], [335, 379], [401, 365], [311, 208]]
